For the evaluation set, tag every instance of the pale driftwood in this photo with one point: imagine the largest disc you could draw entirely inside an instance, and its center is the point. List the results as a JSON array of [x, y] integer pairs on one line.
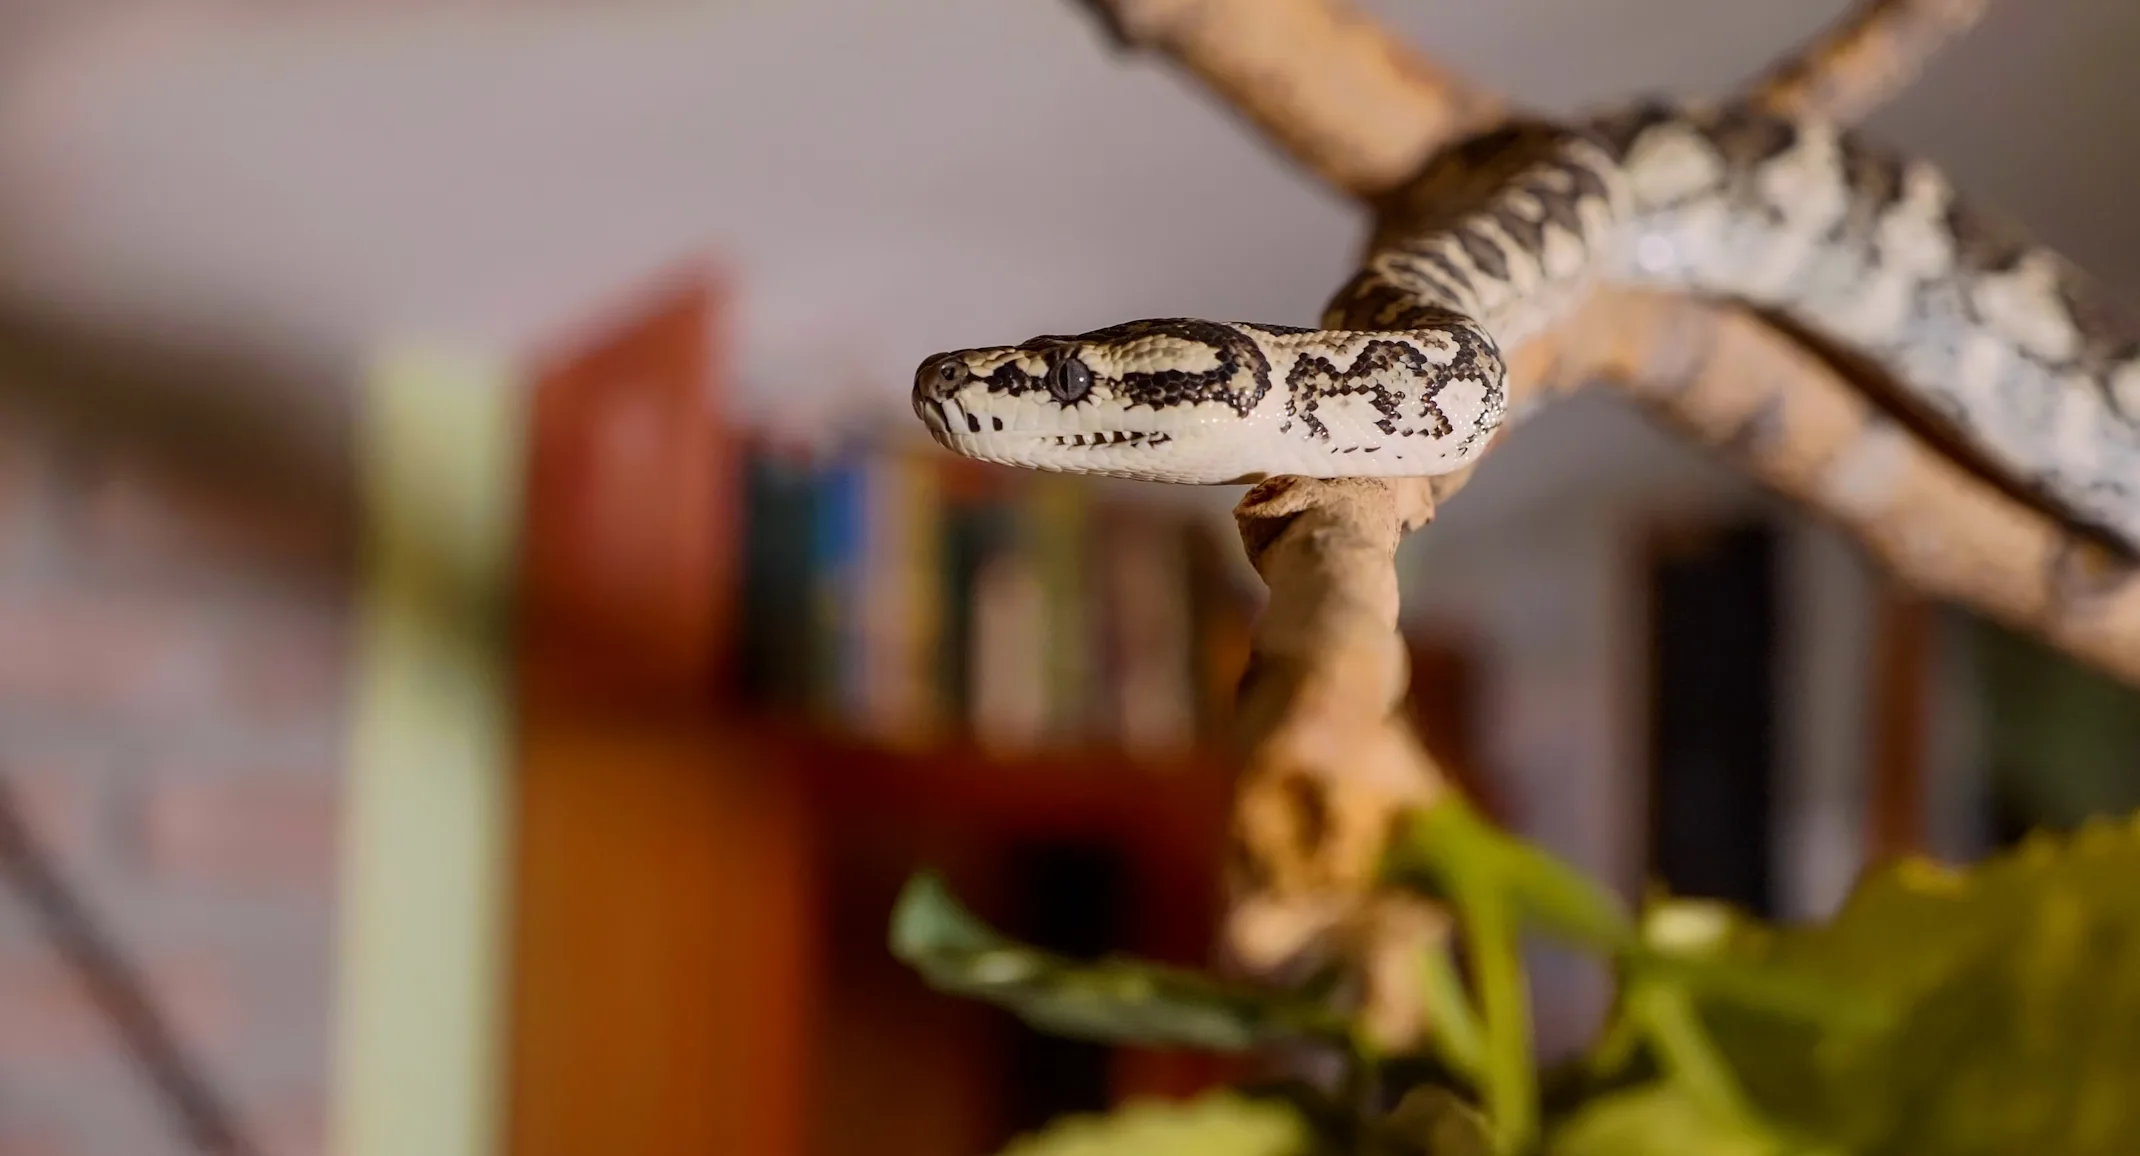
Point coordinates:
[[1866, 58], [1357, 107], [1328, 765], [1325, 82], [1737, 385], [1330, 760]]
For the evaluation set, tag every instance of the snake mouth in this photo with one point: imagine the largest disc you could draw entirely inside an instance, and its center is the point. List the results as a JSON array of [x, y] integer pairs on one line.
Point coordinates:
[[1113, 438]]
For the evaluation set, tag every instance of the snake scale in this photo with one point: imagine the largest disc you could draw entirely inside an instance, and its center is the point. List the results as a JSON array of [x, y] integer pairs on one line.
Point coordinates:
[[1996, 341]]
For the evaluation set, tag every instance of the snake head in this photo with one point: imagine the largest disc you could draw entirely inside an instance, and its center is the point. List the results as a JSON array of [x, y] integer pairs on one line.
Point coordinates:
[[1165, 400]]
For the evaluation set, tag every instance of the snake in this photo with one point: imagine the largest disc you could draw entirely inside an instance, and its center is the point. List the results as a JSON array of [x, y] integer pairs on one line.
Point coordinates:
[[1985, 335]]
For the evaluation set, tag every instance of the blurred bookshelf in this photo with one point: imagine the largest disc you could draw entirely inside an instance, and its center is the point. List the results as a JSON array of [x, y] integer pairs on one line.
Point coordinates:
[[762, 679], [902, 597]]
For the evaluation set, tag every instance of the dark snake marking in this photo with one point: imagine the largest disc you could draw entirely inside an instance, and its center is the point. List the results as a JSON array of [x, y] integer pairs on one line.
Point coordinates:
[[1315, 377], [1556, 207], [1983, 242], [1559, 206], [1472, 179], [1485, 255], [1750, 138], [1946, 310], [1986, 244], [1446, 281], [1233, 350], [2105, 327], [1529, 233], [1618, 131], [1474, 353], [1877, 178]]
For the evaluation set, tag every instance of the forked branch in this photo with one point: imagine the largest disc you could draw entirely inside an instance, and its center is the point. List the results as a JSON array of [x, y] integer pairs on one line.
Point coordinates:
[[1362, 110], [1867, 58], [1333, 90], [1327, 768], [1738, 386]]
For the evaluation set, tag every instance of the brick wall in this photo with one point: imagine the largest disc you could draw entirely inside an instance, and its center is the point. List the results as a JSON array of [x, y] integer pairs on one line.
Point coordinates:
[[173, 624]]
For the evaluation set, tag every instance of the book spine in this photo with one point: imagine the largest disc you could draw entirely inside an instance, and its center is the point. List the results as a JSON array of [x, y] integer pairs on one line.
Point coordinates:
[[1152, 686], [757, 642], [1056, 542], [978, 531], [833, 583], [1009, 706], [775, 631], [898, 595], [925, 606]]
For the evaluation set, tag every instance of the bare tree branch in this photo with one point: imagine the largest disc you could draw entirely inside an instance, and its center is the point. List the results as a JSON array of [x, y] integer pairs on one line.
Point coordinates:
[[1329, 765], [1739, 386], [1331, 759], [1964, 533], [1866, 58], [1324, 82]]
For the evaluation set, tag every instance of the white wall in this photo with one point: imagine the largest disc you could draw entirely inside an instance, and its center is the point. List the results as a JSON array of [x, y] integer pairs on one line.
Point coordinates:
[[887, 179]]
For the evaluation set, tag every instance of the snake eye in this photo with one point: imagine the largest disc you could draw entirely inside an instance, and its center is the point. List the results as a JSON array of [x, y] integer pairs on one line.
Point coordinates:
[[951, 371], [1069, 380]]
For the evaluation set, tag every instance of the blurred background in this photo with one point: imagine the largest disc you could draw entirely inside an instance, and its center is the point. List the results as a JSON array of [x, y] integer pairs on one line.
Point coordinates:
[[481, 642]]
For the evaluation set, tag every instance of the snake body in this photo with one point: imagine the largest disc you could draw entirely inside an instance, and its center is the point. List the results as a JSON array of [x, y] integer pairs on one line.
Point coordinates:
[[1997, 341]]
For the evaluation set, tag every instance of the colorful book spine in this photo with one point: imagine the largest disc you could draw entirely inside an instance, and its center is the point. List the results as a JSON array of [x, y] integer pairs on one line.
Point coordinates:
[[898, 600], [779, 490], [1009, 707], [1055, 539], [913, 603], [976, 529], [836, 575], [1149, 688]]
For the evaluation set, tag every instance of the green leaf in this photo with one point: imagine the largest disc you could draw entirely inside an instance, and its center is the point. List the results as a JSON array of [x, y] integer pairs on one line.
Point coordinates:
[[1220, 1124], [1432, 1121], [1493, 883], [1663, 1120], [1456, 1037], [2014, 997], [1447, 844], [1111, 1000]]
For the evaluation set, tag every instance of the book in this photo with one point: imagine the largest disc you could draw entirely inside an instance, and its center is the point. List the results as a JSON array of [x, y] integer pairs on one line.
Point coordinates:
[[1008, 658], [913, 601], [898, 600], [779, 485], [978, 527], [1148, 684], [835, 583], [1054, 537]]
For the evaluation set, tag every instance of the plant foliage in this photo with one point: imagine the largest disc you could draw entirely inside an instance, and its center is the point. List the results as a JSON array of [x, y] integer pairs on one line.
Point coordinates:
[[1992, 1012]]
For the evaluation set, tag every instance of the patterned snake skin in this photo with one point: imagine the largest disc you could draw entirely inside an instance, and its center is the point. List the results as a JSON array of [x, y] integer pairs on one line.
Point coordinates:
[[1996, 342]]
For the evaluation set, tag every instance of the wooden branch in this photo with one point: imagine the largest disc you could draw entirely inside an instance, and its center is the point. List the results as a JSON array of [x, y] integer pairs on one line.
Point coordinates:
[[1330, 759], [1739, 386], [1866, 58], [1942, 529], [1325, 83], [1329, 765]]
